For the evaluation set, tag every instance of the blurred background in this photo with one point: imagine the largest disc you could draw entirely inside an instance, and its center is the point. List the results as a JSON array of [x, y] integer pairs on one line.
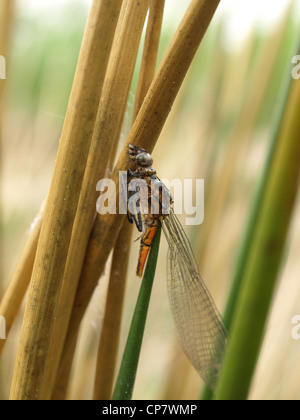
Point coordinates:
[[219, 129]]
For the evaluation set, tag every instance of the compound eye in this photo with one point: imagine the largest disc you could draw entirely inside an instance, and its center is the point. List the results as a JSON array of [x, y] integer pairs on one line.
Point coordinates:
[[144, 159]]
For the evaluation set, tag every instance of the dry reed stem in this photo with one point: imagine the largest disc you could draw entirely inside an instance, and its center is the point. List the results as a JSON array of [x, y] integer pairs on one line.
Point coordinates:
[[114, 95], [60, 209], [115, 291], [64, 306], [144, 133], [109, 341], [150, 51], [14, 294], [22, 274], [7, 12]]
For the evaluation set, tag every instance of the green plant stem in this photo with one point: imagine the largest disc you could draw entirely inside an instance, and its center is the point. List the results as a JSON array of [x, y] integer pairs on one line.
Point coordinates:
[[264, 256], [255, 210], [127, 373], [249, 235], [250, 230]]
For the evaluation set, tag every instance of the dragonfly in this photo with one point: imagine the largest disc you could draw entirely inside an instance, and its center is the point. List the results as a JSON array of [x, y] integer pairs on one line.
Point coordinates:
[[198, 322]]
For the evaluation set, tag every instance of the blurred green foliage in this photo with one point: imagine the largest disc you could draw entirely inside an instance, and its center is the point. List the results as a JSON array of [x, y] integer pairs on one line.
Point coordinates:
[[43, 59]]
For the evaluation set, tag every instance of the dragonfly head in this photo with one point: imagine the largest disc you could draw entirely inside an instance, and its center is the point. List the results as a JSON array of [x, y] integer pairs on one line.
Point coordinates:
[[144, 160], [140, 156]]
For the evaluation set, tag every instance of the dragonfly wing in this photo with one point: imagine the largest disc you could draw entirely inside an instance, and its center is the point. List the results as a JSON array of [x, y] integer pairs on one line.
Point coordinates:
[[196, 317]]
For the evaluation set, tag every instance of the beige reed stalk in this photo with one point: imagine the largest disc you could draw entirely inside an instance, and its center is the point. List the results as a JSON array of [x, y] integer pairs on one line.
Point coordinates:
[[93, 69], [7, 10], [109, 341], [144, 133], [7, 14], [6, 21], [62, 202], [14, 294], [114, 95], [6, 24]]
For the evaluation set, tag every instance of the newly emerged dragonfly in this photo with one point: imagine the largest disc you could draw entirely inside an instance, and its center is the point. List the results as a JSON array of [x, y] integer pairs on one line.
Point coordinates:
[[198, 322]]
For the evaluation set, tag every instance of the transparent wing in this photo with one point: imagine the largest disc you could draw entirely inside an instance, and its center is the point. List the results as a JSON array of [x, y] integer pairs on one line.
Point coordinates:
[[198, 322]]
